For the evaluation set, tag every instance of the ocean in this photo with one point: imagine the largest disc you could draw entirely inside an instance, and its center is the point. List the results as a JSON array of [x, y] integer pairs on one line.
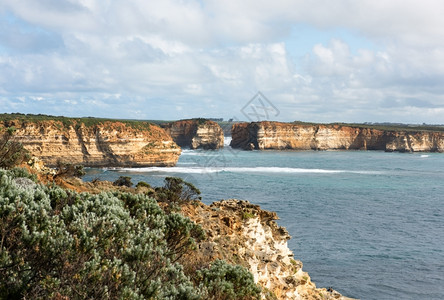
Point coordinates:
[[370, 224]]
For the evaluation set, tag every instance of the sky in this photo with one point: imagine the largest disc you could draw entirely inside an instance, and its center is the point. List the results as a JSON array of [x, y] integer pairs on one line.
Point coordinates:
[[309, 60]]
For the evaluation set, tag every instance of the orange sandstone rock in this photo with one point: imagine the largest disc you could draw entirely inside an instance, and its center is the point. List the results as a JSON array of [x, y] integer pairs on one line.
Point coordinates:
[[196, 133], [276, 135], [107, 144]]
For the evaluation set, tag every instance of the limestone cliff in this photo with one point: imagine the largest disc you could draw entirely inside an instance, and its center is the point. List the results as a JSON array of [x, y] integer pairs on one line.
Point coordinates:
[[196, 133], [104, 144], [275, 135], [242, 233]]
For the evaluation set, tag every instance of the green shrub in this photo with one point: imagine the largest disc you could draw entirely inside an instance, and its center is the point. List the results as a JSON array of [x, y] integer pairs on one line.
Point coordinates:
[[123, 181], [247, 215], [106, 246], [143, 184], [64, 169], [22, 173], [225, 281], [177, 191]]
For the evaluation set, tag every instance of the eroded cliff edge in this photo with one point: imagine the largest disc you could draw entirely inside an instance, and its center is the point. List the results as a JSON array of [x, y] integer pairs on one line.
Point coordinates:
[[102, 144], [242, 233], [276, 135], [196, 133]]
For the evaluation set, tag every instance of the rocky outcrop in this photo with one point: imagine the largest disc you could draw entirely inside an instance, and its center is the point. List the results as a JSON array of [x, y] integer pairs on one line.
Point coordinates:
[[275, 135], [105, 144], [242, 233], [196, 133]]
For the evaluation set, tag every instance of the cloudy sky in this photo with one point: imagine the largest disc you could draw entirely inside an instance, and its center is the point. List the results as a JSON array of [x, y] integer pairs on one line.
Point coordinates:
[[313, 60]]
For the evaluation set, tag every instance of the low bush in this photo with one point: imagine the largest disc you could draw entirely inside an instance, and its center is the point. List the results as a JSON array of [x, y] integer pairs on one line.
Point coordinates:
[[143, 184], [225, 281], [177, 191], [64, 169], [123, 181]]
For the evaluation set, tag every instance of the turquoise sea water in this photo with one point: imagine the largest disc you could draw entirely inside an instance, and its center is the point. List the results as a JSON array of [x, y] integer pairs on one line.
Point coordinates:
[[369, 224]]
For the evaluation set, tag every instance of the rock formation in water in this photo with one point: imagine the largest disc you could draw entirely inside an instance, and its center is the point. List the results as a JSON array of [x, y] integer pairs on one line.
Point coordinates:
[[196, 133], [104, 144], [242, 233], [275, 135]]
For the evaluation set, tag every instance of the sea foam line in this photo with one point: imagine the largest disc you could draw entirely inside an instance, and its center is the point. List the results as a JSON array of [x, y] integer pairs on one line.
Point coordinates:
[[275, 170]]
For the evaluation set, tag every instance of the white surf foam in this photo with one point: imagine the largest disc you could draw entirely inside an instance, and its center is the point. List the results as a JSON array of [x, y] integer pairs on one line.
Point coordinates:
[[275, 170], [227, 141], [189, 152], [424, 155]]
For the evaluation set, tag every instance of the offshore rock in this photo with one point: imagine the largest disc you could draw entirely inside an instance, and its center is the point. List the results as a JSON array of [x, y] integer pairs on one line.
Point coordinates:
[[280, 136], [107, 144], [242, 233], [196, 133]]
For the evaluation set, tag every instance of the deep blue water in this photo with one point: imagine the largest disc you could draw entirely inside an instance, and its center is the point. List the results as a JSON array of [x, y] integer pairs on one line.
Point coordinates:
[[369, 224]]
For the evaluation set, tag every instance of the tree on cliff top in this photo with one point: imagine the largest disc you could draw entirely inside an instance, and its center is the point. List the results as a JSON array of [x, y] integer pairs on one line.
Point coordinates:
[[12, 152]]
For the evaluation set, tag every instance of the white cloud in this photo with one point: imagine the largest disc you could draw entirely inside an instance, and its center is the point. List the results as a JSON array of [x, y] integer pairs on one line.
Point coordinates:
[[183, 53]]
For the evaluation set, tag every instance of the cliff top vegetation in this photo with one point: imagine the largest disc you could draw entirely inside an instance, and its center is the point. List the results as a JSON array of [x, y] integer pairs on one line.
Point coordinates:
[[382, 126], [66, 121]]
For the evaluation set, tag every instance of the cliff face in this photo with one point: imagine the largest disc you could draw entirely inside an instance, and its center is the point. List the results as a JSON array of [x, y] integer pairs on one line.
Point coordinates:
[[108, 144], [275, 135], [196, 134], [242, 233]]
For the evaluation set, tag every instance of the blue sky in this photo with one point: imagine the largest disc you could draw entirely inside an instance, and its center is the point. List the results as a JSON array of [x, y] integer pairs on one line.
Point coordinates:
[[317, 60]]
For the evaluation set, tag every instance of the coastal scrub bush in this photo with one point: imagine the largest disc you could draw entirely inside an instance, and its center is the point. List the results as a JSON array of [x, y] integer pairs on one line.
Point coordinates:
[[177, 191], [123, 181], [224, 281], [143, 184], [64, 169], [12, 152], [59, 244]]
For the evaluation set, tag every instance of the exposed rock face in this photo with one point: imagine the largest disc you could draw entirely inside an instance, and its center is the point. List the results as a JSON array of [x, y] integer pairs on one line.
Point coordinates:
[[196, 133], [242, 233], [108, 144], [275, 135]]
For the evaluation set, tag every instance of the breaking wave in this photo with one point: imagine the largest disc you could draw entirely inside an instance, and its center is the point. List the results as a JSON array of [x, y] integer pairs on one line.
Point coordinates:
[[274, 170]]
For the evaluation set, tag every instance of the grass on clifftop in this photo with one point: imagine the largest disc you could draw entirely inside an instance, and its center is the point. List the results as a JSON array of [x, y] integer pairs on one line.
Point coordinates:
[[383, 126], [66, 121]]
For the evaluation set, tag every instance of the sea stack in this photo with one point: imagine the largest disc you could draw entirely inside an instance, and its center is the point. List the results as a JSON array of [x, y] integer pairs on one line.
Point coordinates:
[[196, 133]]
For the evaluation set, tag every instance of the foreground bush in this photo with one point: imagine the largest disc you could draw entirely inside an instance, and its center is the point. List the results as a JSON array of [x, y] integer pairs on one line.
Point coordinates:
[[57, 244], [224, 281]]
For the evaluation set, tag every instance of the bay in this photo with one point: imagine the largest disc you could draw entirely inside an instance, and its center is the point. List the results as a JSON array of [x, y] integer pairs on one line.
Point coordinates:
[[369, 224]]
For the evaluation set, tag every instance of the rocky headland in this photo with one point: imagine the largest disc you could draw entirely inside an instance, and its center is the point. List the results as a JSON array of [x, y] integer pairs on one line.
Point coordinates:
[[196, 133], [242, 233], [95, 144], [275, 135]]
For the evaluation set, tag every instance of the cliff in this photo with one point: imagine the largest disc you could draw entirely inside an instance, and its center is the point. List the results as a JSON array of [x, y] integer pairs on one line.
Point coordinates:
[[103, 144], [275, 135], [196, 133], [242, 233]]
